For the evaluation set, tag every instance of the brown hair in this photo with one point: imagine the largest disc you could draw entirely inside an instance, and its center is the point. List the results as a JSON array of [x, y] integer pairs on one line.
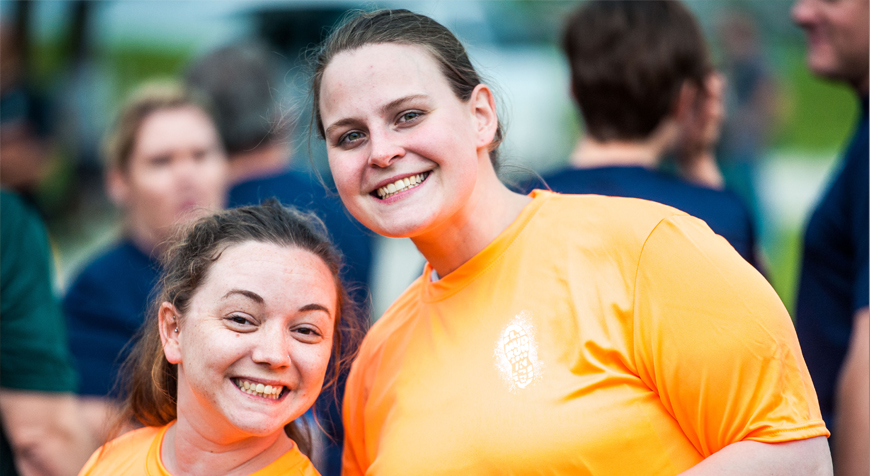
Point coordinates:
[[138, 106], [237, 79], [629, 60], [406, 28], [152, 384]]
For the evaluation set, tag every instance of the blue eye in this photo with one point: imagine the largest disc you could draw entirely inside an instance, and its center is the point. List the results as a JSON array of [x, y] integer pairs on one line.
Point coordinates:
[[350, 137], [410, 116]]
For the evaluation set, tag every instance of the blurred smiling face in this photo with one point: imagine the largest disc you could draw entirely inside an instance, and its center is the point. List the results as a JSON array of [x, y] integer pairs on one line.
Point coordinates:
[[253, 348], [177, 171], [837, 37]]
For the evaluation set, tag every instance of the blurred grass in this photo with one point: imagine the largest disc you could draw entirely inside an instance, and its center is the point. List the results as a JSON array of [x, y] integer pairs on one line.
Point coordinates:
[[819, 114], [784, 265], [129, 64]]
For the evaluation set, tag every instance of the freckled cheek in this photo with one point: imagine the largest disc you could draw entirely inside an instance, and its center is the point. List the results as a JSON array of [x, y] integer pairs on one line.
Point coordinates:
[[312, 365], [347, 174]]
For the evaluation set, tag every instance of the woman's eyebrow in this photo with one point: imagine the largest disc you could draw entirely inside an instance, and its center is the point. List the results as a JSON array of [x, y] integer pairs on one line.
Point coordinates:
[[397, 103], [249, 294], [348, 121], [313, 307]]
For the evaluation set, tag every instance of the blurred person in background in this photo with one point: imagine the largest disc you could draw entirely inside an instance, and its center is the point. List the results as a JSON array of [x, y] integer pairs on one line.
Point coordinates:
[[643, 81], [42, 431], [24, 131], [165, 166], [256, 132], [750, 106], [832, 316]]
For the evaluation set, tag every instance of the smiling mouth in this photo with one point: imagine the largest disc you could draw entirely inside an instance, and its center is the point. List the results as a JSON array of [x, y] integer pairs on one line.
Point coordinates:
[[401, 185], [258, 389]]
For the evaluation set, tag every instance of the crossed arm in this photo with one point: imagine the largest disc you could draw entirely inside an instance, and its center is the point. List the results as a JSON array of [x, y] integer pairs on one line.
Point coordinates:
[[45, 432], [852, 443]]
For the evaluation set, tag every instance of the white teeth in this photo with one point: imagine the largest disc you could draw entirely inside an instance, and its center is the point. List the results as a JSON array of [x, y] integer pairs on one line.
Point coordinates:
[[258, 389], [401, 185]]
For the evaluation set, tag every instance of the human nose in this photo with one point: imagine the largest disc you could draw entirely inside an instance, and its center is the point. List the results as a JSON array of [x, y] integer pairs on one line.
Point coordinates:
[[802, 12], [384, 148], [272, 349], [186, 171]]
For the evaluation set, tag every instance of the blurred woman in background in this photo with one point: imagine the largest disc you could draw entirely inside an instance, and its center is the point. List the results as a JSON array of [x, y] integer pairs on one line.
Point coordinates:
[[235, 351], [165, 165]]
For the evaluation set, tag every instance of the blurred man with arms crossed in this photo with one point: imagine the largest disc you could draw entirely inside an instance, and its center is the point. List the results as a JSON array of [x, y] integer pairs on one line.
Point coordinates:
[[832, 317]]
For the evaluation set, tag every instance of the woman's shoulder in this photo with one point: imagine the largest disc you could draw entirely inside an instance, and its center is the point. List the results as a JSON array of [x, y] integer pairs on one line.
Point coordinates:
[[596, 218], [126, 454], [614, 209]]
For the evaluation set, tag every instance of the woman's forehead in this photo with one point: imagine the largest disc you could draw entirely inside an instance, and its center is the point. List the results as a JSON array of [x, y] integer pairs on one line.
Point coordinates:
[[378, 73], [271, 270]]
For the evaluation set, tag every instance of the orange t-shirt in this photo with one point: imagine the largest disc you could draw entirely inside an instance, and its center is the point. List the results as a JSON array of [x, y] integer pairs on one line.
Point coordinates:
[[595, 335], [138, 453]]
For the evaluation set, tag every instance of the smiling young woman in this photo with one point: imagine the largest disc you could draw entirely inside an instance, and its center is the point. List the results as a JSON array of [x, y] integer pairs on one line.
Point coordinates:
[[548, 333], [236, 351]]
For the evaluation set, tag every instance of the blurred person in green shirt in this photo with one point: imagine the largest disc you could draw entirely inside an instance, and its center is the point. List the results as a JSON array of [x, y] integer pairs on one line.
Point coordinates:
[[41, 431]]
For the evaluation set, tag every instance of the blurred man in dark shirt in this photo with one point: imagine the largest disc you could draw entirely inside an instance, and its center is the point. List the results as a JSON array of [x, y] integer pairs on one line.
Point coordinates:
[[832, 317], [646, 89]]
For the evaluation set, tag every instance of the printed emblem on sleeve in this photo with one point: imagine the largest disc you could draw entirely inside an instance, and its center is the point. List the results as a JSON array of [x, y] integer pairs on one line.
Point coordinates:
[[516, 353]]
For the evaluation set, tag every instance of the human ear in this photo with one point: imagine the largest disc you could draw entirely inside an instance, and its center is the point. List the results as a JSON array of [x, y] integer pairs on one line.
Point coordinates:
[[117, 187], [686, 102], [167, 322], [483, 110]]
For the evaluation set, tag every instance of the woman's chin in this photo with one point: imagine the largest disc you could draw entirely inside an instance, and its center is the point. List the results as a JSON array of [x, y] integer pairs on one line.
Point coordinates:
[[258, 427]]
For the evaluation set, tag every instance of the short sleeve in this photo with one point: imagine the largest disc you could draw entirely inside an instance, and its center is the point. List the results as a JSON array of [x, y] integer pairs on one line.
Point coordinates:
[[714, 341], [33, 348]]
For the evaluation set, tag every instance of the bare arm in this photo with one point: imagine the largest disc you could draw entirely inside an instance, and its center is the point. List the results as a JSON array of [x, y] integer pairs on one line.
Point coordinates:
[[98, 415], [45, 432], [808, 457], [852, 442]]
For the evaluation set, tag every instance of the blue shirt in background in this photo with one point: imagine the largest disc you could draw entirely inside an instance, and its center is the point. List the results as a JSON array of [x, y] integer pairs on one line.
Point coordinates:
[[833, 283], [105, 307], [723, 211]]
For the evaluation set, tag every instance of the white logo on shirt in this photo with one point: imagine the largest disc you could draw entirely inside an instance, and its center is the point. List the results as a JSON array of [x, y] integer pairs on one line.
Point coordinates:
[[516, 353]]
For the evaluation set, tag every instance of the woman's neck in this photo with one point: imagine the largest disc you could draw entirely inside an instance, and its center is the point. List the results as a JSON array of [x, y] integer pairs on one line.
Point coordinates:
[[192, 451], [491, 209]]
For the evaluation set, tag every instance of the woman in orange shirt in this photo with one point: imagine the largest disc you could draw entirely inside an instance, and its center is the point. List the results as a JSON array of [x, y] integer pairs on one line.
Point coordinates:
[[236, 351], [548, 334]]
